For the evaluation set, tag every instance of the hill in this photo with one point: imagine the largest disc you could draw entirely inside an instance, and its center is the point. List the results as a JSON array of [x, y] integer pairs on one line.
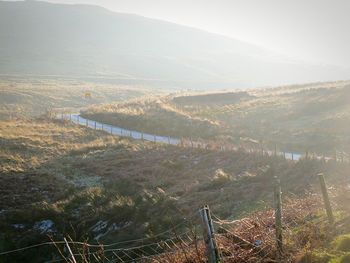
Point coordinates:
[[28, 97], [299, 118], [92, 43]]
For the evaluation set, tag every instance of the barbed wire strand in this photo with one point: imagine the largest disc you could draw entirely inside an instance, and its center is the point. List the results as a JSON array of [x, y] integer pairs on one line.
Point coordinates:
[[127, 252], [98, 245]]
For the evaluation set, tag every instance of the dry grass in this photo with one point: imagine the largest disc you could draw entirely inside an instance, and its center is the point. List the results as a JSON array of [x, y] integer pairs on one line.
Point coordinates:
[[27, 144], [302, 118], [306, 236], [29, 158], [26, 98], [150, 184], [298, 118], [155, 116]]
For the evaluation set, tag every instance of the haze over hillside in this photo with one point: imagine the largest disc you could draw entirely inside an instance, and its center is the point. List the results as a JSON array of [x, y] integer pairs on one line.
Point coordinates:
[[90, 42]]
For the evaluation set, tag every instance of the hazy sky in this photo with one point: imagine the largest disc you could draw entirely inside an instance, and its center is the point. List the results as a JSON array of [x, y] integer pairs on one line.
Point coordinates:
[[313, 30]]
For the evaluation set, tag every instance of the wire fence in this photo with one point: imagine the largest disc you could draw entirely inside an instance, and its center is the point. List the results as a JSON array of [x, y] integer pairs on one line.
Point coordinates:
[[86, 252], [133, 253], [250, 239], [178, 239], [253, 239]]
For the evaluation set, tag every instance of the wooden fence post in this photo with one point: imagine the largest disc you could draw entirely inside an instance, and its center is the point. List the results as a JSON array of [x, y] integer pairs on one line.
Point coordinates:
[[95, 125], [78, 119], [209, 236], [278, 217], [87, 122], [275, 150], [111, 129], [155, 138], [326, 201]]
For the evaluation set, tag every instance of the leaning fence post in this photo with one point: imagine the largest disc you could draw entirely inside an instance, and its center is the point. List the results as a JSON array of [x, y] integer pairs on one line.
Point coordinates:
[[275, 150], [326, 201], [278, 217], [70, 251], [209, 236]]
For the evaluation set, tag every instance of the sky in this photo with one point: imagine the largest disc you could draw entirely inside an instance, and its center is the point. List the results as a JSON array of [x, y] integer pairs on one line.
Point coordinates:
[[310, 30]]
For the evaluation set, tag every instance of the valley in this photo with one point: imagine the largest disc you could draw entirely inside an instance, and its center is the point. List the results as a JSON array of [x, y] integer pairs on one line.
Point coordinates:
[[62, 179], [284, 117], [174, 131]]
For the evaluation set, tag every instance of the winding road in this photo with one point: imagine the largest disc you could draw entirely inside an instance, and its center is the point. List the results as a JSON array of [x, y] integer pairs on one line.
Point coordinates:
[[115, 130], [119, 131]]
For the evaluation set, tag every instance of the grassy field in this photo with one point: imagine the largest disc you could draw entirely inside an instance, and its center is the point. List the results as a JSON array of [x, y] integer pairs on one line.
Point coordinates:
[[79, 179], [154, 116], [76, 177], [28, 98], [313, 117]]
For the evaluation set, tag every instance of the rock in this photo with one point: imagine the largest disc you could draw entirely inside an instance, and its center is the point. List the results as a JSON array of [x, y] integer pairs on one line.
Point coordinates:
[[102, 225], [99, 226], [257, 242], [44, 226], [18, 226]]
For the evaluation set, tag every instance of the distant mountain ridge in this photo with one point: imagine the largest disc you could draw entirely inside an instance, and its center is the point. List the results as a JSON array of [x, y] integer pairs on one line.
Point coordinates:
[[83, 41]]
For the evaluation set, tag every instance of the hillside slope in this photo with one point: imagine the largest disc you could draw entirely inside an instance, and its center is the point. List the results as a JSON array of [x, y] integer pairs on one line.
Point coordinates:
[[27, 98], [299, 118], [91, 42], [77, 177]]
